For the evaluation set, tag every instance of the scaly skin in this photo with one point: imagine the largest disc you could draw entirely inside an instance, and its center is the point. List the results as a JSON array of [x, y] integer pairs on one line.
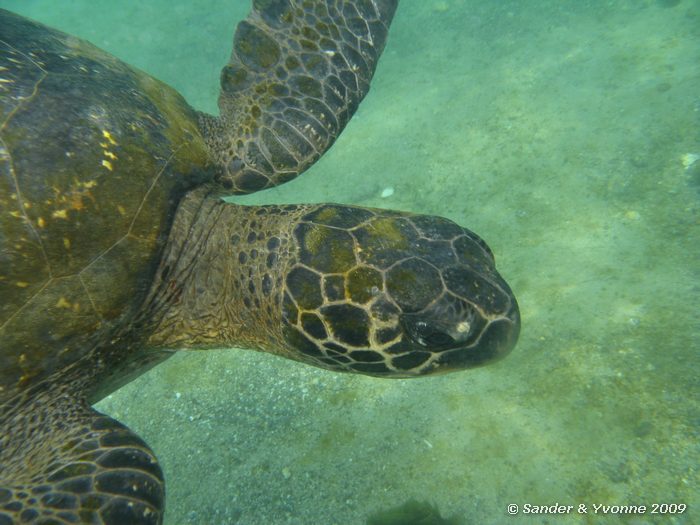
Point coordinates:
[[297, 73], [346, 288]]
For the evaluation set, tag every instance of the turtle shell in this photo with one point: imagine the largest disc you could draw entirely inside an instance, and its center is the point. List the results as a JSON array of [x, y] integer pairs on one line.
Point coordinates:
[[94, 158]]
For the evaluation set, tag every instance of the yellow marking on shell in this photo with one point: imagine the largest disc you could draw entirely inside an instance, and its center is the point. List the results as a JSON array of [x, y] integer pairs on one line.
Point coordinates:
[[21, 284], [66, 243], [121, 209], [106, 134], [27, 205], [16, 214], [22, 358], [60, 214], [110, 155], [41, 222], [107, 164], [62, 303], [89, 184], [76, 199]]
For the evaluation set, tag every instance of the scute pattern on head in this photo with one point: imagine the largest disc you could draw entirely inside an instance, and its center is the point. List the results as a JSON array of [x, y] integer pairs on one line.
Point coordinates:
[[341, 287], [393, 294]]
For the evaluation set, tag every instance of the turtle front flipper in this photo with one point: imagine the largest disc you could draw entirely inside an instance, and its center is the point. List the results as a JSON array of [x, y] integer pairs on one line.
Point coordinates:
[[298, 72], [63, 462]]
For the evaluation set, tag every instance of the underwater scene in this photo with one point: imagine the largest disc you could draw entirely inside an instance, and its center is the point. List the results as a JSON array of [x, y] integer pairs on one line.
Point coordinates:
[[567, 135]]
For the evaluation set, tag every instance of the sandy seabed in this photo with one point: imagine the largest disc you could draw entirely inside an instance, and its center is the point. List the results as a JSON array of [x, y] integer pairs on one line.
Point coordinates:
[[563, 133]]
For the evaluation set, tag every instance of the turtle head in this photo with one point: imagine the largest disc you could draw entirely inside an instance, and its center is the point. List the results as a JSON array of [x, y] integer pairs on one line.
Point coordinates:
[[394, 294]]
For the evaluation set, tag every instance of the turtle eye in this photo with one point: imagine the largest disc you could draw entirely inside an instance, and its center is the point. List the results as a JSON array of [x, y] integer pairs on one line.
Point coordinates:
[[424, 334]]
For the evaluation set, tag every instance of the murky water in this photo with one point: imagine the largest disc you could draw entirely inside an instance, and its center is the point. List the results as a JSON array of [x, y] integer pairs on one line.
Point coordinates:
[[564, 133]]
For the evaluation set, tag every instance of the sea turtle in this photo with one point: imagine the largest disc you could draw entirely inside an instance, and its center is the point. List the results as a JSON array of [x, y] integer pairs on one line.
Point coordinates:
[[116, 248]]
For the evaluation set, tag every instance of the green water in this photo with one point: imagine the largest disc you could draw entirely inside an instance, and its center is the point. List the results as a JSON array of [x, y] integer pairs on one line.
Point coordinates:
[[563, 133]]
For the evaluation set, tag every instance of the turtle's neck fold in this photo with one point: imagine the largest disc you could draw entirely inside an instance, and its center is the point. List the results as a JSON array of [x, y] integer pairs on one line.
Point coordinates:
[[220, 279]]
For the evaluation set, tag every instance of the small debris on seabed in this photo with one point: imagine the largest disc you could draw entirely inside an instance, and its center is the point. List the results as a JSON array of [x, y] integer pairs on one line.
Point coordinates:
[[688, 160], [387, 192]]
